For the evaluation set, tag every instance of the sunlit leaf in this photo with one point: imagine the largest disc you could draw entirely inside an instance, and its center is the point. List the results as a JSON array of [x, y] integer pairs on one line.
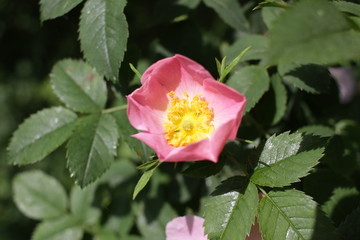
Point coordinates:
[[41, 134], [231, 210], [292, 215], [348, 7], [39, 196], [92, 147], [318, 130], [103, 35], [50, 9], [79, 86], [286, 158]]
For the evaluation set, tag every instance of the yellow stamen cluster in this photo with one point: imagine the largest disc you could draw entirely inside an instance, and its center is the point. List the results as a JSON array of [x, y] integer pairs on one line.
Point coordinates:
[[189, 120]]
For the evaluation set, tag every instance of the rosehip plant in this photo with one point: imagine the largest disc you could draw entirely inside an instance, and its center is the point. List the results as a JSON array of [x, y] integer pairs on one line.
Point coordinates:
[[231, 114]]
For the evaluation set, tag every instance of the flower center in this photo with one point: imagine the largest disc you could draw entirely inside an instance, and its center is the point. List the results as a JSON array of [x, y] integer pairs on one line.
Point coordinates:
[[189, 120]]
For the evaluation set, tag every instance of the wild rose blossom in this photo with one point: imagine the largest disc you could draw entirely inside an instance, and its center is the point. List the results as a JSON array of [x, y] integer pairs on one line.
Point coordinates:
[[191, 228], [186, 228], [183, 113]]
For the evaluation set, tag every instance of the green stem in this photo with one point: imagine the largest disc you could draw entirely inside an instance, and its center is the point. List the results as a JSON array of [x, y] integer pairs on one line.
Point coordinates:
[[114, 109], [245, 140]]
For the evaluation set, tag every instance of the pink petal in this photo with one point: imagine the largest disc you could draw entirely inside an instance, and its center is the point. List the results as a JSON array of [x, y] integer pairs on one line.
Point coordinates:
[[146, 107], [186, 228]]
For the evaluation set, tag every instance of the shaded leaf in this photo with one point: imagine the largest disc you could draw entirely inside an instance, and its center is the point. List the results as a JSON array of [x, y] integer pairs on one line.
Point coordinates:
[[152, 217], [286, 158], [79, 86], [310, 78], [348, 7], [50, 9], [38, 195], [349, 229], [280, 98], [203, 169], [292, 215], [80, 201], [92, 147], [230, 11], [103, 35], [252, 81], [270, 14], [231, 210], [295, 38], [66, 227], [341, 203], [258, 43], [41, 134], [321, 183]]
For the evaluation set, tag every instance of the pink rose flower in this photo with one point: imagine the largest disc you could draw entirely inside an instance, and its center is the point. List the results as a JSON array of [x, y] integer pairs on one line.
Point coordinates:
[[186, 228], [183, 113], [191, 228]]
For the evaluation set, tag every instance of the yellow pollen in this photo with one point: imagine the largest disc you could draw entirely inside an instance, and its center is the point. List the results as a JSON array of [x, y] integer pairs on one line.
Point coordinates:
[[189, 120]]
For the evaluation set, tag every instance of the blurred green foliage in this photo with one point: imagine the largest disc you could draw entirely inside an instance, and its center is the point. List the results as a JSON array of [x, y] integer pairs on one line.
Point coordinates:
[[201, 30]]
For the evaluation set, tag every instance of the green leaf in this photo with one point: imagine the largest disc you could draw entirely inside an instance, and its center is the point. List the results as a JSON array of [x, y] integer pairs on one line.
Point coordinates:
[[144, 179], [79, 86], [252, 81], [292, 215], [348, 7], [38, 195], [349, 229], [230, 11], [80, 200], [286, 158], [92, 147], [41, 134], [148, 165], [310, 78], [152, 217], [226, 70], [270, 14], [318, 130], [341, 203], [103, 35], [321, 183], [203, 169], [280, 98], [50, 9], [66, 227], [258, 43], [231, 210], [268, 3], [295, 38]]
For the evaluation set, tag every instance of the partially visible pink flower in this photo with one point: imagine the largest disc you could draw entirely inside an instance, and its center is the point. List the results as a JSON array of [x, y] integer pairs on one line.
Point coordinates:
[[186, 228], [183, 113], [346, 82], [191, 228]]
